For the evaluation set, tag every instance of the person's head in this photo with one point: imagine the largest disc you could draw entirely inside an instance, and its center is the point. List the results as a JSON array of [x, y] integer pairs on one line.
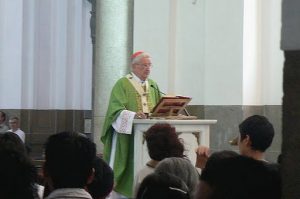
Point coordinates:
[[160, 185], [17, 173], [69, 159], [14, 123], [162, 142], [103, 181], [181, 168], [256, 133], [12, 141], [2, 117], [239, 177], [141, 64]]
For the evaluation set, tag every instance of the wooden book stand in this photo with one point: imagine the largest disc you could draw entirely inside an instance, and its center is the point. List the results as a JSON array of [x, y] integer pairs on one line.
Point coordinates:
[[170, 108]]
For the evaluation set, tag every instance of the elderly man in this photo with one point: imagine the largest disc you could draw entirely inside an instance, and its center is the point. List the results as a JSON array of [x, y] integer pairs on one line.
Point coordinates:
[[133, 96]]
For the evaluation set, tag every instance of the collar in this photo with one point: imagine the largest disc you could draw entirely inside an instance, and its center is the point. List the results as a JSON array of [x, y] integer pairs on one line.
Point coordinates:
[[136, 78]]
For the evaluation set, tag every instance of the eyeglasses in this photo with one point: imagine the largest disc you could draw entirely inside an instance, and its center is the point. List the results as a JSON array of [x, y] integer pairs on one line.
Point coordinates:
[[146, 65]]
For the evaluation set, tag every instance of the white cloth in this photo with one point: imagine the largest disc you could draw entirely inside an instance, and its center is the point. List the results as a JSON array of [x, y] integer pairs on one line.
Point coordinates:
[[68, 193], [123, 123], [20, 133]]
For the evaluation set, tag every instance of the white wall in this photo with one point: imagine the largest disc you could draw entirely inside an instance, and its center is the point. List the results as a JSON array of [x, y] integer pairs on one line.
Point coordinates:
[[45, 54], [200, 48], [263, 60]]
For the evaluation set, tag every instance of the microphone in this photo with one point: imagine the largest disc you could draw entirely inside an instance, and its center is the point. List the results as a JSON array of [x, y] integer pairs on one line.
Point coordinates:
[[157, 89]]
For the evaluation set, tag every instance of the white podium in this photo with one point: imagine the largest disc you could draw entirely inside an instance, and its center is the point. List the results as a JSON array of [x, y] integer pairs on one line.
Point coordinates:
[[197, 130]]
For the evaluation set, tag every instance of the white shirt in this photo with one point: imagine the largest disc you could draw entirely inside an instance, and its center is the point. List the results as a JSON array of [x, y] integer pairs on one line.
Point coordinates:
[[20, 133]]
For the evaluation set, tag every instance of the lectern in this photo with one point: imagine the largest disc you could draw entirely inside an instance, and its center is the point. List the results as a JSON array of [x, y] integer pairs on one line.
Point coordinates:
[[193, 129]]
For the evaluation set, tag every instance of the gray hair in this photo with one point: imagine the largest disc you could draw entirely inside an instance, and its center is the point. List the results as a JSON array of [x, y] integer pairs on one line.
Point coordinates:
[[139, 57], [181, 168]]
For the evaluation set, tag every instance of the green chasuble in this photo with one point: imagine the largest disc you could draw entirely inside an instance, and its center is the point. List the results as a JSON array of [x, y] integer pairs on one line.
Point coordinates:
[[124, 97]]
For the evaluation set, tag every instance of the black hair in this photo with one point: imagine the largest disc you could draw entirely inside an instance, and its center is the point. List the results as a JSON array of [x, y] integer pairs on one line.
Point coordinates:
[[18, 175], [242, 177], [69, 159], [103, 181], [259, 130]]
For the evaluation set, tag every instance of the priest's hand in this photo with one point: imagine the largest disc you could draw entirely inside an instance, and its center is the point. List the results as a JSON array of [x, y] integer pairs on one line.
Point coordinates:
[[140, 115]]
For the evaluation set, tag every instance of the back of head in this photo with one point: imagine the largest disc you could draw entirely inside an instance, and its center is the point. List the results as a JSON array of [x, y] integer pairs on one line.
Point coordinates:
[[161, 185], [181, 168], [242, 177], [103, 181], [162, 142], [11, 141], [69, 159], [260, 131], [17, 173]]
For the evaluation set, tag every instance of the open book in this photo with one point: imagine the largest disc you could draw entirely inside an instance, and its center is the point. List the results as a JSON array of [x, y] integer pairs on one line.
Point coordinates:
[[171, 106]]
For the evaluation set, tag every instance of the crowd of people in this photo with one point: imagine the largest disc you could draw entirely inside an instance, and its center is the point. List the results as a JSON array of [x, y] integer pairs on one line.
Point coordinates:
[[73, 170]]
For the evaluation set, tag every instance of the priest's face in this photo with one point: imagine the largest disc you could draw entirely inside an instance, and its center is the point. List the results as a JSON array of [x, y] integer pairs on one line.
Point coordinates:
[[142, 68]]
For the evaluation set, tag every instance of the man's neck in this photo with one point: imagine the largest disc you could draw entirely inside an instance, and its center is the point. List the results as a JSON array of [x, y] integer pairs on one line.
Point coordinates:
[[257, 155], [137, 78]]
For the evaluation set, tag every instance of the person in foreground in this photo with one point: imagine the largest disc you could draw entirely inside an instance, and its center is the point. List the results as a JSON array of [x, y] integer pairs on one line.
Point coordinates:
[[255, 137], [103, 182], [162, 185], [68, 167], [17, 173], [238, 177], [133, 96], [162, 142]]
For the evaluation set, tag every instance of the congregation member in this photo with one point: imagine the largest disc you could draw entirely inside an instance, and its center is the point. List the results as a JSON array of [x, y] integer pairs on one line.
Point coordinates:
[[132, 97], [14, 124], [161, 185], [68, 167], [237, 177], [162, 142], [255, 137], [3, 127], [18, 175], [183, 169], [103, 182]]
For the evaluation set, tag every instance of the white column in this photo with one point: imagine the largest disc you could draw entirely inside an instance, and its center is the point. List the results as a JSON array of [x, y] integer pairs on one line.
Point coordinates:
[[114, 32]]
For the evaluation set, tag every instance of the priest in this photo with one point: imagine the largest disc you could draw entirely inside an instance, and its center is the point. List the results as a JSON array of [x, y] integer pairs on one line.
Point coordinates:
[[132, 97]]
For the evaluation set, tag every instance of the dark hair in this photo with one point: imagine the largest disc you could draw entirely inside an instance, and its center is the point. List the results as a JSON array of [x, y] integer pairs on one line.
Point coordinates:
[[260, 131], [12, 141], [3, 114], [103, 181], [17, 173], [215, 157], [242, 177], [162, 142], [160, 185], [69, 159]]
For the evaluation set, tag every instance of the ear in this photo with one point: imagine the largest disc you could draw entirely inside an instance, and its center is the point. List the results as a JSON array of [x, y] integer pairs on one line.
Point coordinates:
[[248, 141], [91, 177]]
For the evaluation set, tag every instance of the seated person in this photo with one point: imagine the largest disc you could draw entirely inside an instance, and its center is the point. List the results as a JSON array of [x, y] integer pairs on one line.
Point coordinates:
[[162, 186], [14, 124], [162, 142], [255, 137], [183, 169], [238, 177], [3, 126], [17, 173], [68, 167], [103, 182]]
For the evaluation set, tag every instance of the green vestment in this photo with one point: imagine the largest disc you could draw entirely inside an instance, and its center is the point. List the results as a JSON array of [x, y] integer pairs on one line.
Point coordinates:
[[124, 97]]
